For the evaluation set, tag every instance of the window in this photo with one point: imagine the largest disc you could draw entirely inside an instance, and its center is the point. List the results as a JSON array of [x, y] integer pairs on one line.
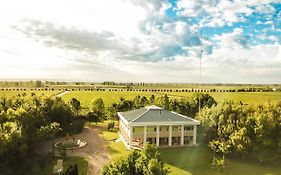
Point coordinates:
[[151, 129], [164, 128], [188, 128], [176, 128], [137, 129]]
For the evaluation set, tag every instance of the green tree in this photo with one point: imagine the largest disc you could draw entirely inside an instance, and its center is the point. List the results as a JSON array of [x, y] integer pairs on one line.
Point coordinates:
[[152, 99], [75, 105], [50, 131], [146, 162], [97, 110]]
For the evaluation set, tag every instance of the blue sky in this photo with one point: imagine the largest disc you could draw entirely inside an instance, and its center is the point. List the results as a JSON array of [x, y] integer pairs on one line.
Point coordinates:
[[142, 40]]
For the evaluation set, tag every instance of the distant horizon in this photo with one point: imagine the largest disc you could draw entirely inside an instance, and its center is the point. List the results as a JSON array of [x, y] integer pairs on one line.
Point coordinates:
[[141, 40], [135, 82]]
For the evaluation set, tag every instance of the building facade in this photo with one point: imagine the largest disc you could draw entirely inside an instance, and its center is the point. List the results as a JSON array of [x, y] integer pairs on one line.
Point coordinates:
[[156, 125]]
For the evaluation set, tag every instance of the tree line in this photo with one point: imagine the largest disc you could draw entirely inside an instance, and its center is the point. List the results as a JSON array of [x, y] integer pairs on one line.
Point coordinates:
[[243, 131]]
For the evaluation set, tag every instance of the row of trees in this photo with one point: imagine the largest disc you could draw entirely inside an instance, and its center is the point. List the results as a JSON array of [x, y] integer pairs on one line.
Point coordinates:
[[97, 111], [244, 131], [185, 106]]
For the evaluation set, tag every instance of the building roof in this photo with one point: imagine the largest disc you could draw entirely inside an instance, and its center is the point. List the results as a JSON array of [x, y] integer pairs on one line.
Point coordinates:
[[155, 114]]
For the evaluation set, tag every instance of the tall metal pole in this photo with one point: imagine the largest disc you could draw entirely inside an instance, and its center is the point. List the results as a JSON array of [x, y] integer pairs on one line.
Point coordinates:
[[200, 62]]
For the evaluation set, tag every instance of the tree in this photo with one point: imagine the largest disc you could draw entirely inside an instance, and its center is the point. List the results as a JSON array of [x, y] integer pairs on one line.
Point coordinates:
[[146, 162], [152, 99], [201, 100], [75, 105], [50, 131], [97, 110], [71, 170], [38, 83], [250, 132]]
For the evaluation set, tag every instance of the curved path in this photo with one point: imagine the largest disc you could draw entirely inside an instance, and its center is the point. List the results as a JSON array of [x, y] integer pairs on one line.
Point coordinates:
[[62, 94], [95, 151]]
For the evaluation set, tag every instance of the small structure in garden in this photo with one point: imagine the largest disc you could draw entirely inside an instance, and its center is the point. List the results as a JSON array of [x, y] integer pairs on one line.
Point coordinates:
[[70, 143]]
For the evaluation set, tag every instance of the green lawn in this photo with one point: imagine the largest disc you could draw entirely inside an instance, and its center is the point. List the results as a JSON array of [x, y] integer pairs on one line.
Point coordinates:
[[191, 160], [197, 161], [116, 150]]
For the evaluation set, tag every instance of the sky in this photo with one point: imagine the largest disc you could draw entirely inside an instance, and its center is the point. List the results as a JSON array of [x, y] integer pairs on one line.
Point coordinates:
[[237, 41]]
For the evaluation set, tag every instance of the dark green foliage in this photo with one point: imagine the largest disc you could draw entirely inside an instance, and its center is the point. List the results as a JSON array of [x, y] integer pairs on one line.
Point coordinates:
[[97, 111], [71, 170], [75, 105], [250, 132], [27, 121], [110, 126], [145, 162]]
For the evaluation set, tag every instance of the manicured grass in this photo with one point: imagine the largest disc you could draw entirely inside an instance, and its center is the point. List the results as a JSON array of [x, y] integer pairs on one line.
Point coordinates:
[[197, 161], [116, 150], [109, 135]]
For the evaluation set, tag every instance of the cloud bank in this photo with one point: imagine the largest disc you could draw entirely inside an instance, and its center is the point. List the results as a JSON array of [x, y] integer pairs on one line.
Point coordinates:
[[151, 41]]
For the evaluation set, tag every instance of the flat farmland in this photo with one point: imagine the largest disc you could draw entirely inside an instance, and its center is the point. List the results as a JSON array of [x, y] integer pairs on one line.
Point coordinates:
[[9, 94], [109, 97], [251, 98]]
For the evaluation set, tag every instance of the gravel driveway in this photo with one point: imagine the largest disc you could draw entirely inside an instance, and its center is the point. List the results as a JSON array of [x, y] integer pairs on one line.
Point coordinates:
[[95, 151]]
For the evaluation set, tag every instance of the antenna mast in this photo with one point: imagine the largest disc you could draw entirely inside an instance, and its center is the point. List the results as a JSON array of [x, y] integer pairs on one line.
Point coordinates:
[[201, 54]]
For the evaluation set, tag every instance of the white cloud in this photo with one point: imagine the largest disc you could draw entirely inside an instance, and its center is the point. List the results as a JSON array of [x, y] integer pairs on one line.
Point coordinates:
[[265, 9], [224, 12], [230, 40], [124, 40], [273, 38]]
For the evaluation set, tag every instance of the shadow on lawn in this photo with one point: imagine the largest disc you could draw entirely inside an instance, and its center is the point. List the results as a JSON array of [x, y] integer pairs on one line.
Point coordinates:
[[191, 160], [197, 161]]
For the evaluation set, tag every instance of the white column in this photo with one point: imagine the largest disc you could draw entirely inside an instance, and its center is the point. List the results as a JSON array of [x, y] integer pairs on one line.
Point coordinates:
[[157, 135], [130, 136], [194, 134], [182, 135], [144, 135], [170, 135]]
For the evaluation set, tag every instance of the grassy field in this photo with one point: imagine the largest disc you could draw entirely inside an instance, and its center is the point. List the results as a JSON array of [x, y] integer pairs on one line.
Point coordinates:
[[197, 161], [109, 97], [28, 92], [252, 98], [193, 160]]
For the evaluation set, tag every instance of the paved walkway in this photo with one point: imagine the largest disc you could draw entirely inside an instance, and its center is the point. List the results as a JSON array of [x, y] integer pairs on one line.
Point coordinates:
[[95, 151], [62, 94]]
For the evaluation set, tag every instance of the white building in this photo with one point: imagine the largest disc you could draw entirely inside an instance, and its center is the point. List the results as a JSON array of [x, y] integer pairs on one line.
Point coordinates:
[[156, 125]]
